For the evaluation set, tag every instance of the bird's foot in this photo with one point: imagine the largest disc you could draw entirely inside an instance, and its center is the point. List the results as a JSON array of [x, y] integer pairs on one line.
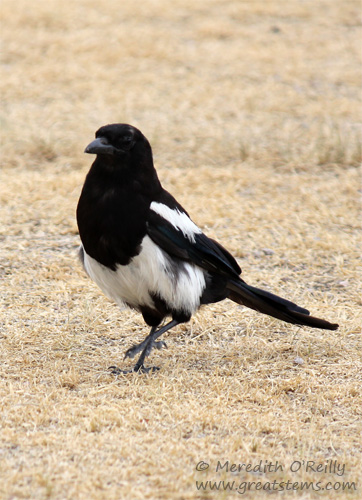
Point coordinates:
[[142, 369], [132, 351], [159, 344], [137, 368]]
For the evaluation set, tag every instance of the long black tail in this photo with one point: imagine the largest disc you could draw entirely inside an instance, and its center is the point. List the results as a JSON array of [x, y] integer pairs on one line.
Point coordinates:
[[268, 303]]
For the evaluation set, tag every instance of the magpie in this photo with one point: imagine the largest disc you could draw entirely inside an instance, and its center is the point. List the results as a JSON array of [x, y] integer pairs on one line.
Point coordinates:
[[143, 250]]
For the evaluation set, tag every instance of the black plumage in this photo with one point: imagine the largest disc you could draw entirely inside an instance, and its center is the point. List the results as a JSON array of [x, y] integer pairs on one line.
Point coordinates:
[[140, 246]]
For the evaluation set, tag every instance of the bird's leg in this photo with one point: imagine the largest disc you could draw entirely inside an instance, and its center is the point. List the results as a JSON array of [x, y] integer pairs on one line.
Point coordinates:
[[132, 351], [152, 337], [146, 345], [135, 349]]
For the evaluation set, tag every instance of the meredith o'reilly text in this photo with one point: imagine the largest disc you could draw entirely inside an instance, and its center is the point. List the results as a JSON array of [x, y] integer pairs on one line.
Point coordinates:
[[265, 466]]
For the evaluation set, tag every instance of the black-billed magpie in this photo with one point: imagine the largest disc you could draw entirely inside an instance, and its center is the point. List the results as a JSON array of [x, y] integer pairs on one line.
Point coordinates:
[[142, 249]]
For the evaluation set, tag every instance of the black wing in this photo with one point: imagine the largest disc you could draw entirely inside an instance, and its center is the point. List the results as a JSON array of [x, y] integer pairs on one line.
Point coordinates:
[[204, 252], [211, 256]]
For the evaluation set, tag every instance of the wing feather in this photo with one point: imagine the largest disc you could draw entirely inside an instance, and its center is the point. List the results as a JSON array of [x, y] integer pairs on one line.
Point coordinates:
[[200, 250]]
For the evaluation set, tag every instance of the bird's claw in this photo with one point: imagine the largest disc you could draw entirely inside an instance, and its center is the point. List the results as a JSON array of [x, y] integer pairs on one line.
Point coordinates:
[[143, 369], [135, 349], [136, 369], [160, 344]]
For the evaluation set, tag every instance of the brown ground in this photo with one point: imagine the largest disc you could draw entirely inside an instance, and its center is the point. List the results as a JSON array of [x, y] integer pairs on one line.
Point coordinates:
[[253, 111]]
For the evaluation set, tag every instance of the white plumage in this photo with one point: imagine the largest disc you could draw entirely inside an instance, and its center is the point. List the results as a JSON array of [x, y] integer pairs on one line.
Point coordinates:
[[179, 220], [153, 272]]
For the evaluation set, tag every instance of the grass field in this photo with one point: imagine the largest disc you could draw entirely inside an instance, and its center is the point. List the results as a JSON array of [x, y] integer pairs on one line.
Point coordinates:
[[253, 110]]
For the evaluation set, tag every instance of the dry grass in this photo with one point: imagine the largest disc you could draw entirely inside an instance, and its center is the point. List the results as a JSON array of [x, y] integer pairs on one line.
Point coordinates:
[[253, 110]]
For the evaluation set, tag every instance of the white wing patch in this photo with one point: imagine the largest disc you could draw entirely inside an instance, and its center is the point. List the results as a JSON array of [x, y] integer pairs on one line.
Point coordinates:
[[149, 273], [178, 219]]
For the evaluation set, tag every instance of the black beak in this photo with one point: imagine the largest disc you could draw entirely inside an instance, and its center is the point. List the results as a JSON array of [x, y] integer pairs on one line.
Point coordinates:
[[100, 146]]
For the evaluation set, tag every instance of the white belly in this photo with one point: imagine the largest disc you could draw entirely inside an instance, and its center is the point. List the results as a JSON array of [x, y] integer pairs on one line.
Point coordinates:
[[150, 272]]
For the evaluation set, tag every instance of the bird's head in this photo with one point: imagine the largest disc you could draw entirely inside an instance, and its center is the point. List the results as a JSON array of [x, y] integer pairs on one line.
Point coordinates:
[[116, 140], [123, 152]]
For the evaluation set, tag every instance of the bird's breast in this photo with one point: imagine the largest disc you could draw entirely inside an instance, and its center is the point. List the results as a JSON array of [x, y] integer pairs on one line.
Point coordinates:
[[150, 273]]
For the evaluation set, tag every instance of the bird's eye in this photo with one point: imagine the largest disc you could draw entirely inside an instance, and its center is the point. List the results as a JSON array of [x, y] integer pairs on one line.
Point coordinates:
[[126, 142]]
